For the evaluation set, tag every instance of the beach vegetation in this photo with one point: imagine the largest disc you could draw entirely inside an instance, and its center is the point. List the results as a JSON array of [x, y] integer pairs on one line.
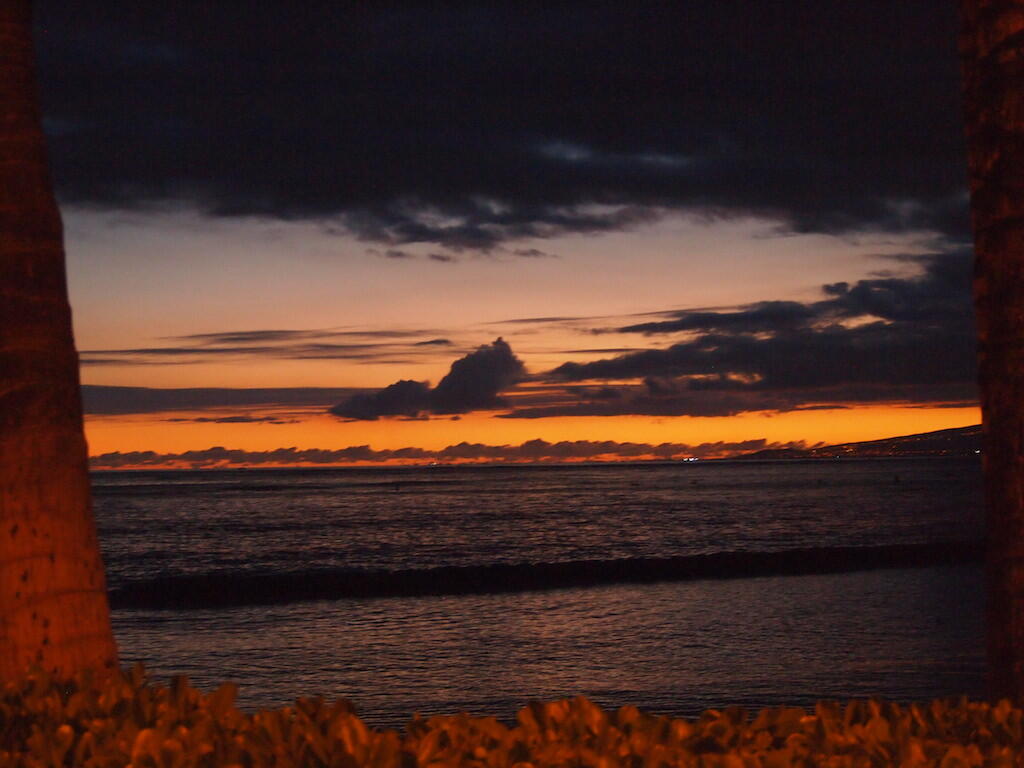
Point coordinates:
[[130, 720]]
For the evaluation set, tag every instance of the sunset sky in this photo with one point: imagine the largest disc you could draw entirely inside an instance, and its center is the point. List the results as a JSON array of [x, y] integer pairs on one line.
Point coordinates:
[[544, 231]]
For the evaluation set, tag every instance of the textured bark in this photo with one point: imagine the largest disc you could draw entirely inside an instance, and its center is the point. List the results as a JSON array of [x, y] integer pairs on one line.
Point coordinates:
[[53, 600], [992, 51]]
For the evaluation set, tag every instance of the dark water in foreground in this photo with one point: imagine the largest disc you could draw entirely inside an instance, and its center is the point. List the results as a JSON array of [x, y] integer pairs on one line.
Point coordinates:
[[480, 589]]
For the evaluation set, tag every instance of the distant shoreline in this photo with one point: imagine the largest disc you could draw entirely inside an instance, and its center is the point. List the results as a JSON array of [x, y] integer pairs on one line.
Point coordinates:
[[527, 465], [957, 442]]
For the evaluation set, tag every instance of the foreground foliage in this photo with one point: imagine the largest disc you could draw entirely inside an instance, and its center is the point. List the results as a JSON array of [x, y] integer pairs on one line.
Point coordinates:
[[129, 721]]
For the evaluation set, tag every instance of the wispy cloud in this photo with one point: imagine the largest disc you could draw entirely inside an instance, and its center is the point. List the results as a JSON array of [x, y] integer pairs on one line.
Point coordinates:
[[355, 345], [232, 420], [107, 400]]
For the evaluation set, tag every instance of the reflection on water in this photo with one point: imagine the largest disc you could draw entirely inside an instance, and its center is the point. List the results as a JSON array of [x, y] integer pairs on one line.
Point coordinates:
[[674, 648]]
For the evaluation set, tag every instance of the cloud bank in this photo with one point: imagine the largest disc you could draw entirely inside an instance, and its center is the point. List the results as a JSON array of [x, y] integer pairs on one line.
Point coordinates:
[[884, 339], [529, 451], [493, 122]]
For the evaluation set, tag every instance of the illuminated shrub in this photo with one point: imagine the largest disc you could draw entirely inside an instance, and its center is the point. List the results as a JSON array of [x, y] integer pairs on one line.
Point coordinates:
[[129, 721]]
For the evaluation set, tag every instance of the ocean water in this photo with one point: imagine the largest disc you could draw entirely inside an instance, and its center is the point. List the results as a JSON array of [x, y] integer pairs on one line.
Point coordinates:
[[674, 587]]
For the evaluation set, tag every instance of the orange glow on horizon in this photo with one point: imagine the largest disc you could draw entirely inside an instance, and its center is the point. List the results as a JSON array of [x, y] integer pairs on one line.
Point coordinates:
[[313, 429]]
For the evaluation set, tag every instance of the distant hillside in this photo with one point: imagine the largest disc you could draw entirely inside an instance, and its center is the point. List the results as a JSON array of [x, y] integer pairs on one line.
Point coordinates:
[[963, 441]]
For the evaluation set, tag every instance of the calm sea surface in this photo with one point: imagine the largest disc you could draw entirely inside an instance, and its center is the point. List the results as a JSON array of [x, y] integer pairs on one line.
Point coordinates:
[[448, 589]]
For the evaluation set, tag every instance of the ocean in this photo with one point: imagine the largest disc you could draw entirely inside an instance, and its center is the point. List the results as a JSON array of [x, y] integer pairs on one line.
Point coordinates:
[[673, 587]]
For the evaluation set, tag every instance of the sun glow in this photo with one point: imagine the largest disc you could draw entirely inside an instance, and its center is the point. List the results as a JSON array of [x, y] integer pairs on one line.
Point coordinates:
[[177, 432]]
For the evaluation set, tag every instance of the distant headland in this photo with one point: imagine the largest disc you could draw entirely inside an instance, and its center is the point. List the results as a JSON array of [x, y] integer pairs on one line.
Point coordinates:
[[961, 441]]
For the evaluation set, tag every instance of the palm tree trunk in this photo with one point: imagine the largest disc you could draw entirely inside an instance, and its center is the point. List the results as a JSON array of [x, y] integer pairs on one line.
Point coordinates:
[[53, 600], [992, 51]]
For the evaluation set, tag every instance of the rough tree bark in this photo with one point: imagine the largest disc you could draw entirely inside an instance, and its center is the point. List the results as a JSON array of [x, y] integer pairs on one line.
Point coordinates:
[[53, 600], [992, 54]]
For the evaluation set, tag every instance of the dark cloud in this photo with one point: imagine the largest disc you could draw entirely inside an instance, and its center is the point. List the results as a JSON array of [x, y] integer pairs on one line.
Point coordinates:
[[473, 383], [764, 316], [882, 339], [403, 398], [602, 393], [533, 253], [530, 451], [399, 254], [98, 399], [469, 125], [248, 337], [433, 343], [599, 351], [272, 336], [638, 401], [538, 320]]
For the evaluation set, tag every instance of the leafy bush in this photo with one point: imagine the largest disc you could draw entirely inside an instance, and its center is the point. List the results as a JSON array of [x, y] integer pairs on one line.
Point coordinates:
[[130, 721]]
